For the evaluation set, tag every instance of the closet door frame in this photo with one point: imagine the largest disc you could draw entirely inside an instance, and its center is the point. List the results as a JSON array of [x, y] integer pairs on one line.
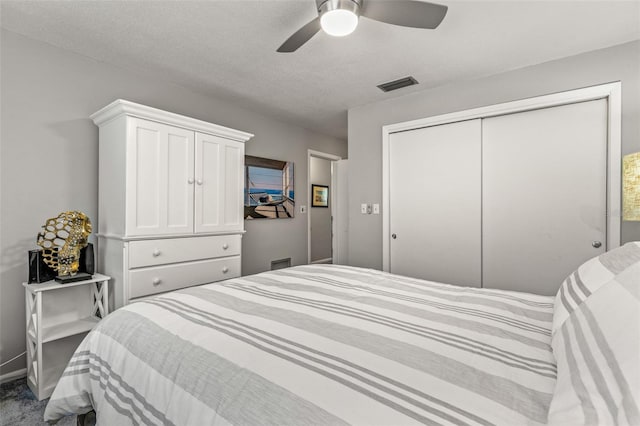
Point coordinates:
[[612, 92]]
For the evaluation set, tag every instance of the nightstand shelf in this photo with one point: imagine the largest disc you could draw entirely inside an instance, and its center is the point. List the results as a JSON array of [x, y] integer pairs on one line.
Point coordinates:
[[69, 328], [57, 355], [58, 318]]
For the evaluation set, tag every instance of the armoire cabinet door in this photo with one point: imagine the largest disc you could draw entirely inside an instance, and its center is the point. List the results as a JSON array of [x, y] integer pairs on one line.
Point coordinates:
[[160, 171], [219, 184], [435, 202]]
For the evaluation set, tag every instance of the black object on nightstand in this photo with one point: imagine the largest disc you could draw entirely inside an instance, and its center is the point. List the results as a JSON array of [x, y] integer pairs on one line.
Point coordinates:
[[87, 260], [39, 272]]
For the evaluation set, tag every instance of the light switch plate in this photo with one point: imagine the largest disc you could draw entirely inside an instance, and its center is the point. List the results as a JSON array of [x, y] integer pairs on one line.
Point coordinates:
[[303, 209], [376, 209], [363, 208]]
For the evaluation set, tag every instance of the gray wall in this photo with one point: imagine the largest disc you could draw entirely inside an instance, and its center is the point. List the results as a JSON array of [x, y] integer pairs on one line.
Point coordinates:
[[320, 217], [49, 158], [618, 63]]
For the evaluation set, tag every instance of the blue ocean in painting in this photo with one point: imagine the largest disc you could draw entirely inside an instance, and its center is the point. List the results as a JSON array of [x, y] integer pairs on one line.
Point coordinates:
[[276, 195]]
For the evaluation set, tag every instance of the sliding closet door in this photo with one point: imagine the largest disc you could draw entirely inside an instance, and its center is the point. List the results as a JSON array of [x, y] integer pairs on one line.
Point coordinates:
[[544, 195], [434, 187]]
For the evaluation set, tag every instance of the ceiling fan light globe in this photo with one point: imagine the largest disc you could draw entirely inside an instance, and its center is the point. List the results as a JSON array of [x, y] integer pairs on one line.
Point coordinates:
[[339, 22]]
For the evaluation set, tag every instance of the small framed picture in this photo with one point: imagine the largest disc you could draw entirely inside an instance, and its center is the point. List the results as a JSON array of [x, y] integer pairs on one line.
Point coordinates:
[[319, 195]]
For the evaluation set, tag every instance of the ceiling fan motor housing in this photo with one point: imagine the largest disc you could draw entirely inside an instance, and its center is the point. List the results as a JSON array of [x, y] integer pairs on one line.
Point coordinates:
[[325, 6]]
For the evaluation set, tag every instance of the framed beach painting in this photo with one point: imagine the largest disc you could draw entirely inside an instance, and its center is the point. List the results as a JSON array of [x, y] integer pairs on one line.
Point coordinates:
[[269, 191], [319, 195]]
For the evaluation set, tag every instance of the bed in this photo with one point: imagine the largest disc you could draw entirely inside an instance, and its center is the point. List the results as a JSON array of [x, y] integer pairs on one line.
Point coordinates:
[[332, 345]]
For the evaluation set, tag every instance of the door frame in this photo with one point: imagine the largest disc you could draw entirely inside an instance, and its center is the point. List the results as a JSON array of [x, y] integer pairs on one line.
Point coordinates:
[[332, 158], [612, 92]]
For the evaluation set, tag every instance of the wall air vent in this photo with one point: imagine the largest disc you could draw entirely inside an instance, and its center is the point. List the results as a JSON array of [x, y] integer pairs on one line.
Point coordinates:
[[280, 263], [397, 84]]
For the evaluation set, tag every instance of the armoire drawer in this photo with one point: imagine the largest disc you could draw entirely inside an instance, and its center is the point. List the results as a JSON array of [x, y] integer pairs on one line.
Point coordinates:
[[174, 250], [159, 279]]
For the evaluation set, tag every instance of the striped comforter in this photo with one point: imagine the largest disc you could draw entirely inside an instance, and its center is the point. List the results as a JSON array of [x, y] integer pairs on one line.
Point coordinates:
[[317, 345]]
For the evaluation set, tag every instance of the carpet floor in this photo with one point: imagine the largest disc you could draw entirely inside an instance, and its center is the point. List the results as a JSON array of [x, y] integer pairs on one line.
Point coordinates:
[[19, 406]]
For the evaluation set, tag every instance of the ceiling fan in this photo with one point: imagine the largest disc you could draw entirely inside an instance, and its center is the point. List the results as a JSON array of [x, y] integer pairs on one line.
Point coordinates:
[[340, 17]]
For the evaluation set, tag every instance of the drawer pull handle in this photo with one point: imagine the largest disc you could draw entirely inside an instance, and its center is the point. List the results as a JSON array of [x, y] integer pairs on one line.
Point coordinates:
[[156, 253], [225, 269], [156, 281], [225, 246]]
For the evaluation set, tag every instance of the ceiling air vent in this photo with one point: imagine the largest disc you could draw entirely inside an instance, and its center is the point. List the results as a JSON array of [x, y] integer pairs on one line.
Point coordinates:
[[397, 84]]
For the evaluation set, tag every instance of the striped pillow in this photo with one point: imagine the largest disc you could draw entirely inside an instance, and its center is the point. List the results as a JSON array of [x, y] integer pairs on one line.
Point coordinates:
[[589, 277], [597, 352]]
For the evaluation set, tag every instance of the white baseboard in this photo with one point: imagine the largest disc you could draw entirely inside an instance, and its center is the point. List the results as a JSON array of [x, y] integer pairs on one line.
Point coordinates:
[[18, 374], [327, 260]]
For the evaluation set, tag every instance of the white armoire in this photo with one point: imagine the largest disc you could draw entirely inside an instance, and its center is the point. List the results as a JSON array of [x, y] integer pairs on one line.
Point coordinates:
[[170, 200]]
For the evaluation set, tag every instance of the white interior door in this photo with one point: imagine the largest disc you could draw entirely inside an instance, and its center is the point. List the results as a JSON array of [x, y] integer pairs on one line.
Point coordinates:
[[544, 194], [435, 202], [340, 211]]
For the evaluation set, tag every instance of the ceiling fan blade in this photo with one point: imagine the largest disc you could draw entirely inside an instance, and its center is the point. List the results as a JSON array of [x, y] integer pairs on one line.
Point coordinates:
[[300, 37], [407, 13]]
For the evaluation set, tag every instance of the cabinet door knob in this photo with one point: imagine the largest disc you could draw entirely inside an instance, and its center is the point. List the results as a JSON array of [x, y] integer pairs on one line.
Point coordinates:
[[156, 253], [156, 281], [394, 236], [596, 244], [199, 182], [225, 246], [225, 269], [190, 181]]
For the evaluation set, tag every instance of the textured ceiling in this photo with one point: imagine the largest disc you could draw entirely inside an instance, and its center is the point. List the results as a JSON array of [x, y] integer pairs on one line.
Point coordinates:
[[227, 48]]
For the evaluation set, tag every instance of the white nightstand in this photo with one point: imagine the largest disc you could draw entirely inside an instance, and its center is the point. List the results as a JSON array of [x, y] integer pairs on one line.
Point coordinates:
[[58, 318]]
